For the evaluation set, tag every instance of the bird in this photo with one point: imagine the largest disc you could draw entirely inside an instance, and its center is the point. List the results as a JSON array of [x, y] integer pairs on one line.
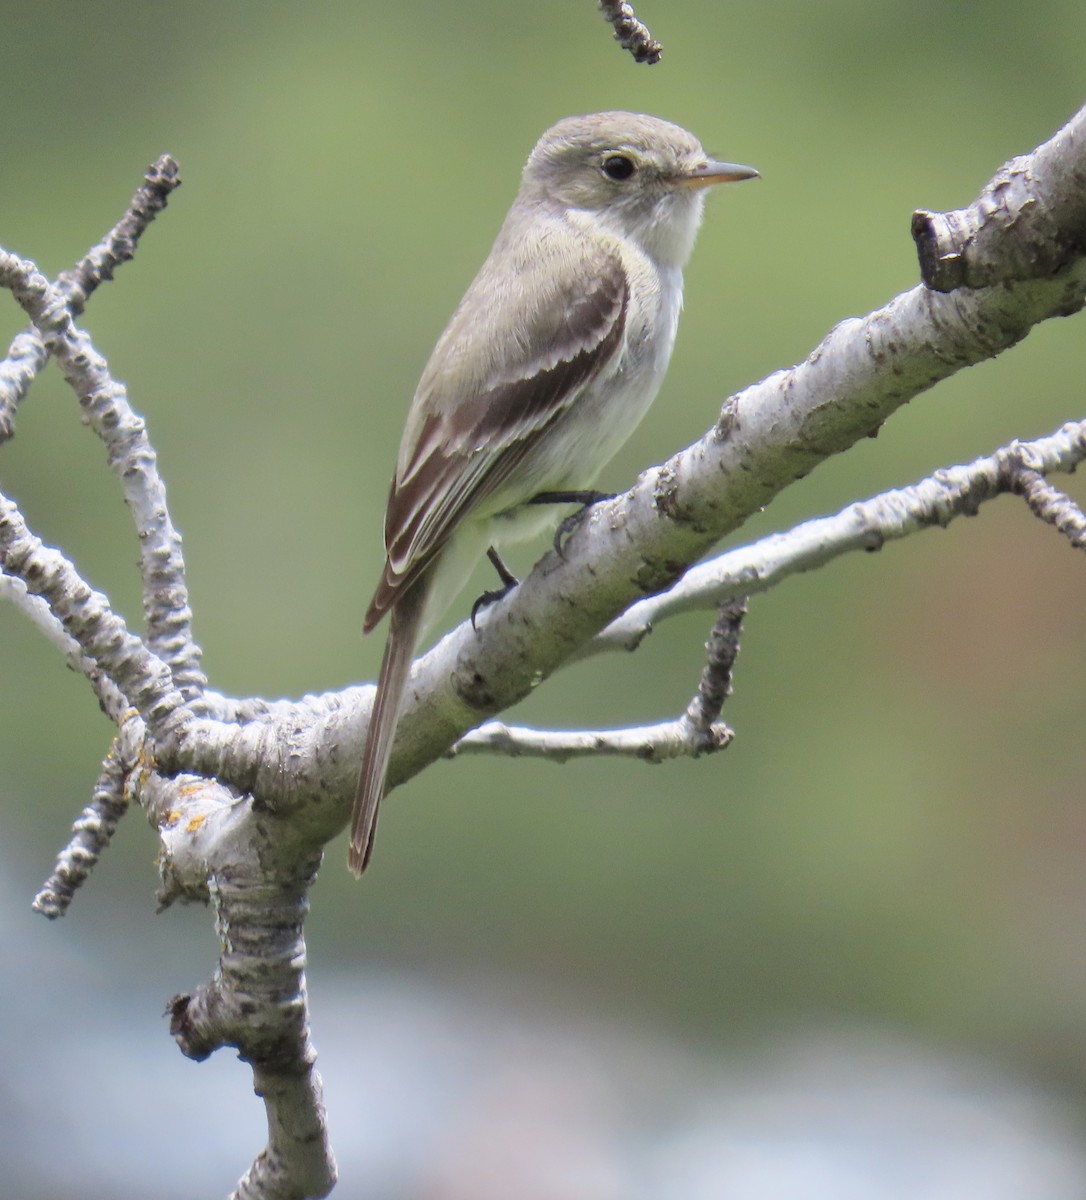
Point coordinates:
[[551, 359]]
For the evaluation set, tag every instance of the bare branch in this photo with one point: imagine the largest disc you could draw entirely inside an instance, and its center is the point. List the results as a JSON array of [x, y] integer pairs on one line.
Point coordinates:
[[935, 501], [257, 1001], [27, 354], [695, 733], [91, 833], [715, 685], [112, 703], [727, 579], [1052, 506], [649, 743], [630, 33], [86, 617], [1028, 222], [119, 246], [25, 358], [132, 458]]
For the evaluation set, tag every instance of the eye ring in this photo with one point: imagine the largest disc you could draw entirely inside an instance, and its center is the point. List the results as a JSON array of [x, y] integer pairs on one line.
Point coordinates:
[[618, 167]]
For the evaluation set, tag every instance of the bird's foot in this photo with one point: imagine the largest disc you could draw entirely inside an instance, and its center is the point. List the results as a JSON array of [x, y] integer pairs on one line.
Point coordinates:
[[509, 581], [586, 499]]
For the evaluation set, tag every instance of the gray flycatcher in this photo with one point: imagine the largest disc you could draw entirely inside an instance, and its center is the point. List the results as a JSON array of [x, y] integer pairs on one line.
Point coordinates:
[[551, 359]]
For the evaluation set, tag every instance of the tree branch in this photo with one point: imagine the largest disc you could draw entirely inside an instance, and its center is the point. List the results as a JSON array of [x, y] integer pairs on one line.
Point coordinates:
[[1028, 222], [139, 676], [91, 833], [1019, 468], [36, 608], [28, 353], [132, 457], [695, 733], [260, 913], [866, 525], [631, 33], [650, 743], [1052, 506]]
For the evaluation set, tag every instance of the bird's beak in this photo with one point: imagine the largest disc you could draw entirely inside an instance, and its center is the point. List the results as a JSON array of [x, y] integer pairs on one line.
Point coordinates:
[[707, 173]]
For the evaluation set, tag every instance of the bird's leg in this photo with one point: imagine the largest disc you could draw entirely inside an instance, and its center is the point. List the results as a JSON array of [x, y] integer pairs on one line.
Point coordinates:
[[509, 581], [585, 499]]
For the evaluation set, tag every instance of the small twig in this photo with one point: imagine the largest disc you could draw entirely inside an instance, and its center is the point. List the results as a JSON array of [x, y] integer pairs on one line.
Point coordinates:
[[28, 354], [631, 33], [162, 177], [132, 457], [696, 732], [649, 743], [25, 358], [715, 685], [1053, 506], [94, 828]]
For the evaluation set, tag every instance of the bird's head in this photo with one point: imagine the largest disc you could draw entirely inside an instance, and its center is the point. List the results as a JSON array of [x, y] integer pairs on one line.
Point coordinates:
[[643, 177]]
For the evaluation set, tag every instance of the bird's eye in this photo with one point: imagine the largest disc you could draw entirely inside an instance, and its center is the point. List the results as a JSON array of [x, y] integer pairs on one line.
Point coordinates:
[[618, 167]]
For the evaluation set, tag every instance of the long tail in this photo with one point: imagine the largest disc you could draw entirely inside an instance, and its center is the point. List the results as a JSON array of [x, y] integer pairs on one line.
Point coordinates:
[[403, 636]]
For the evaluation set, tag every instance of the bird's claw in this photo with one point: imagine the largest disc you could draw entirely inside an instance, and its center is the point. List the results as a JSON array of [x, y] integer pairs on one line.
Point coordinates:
[[509, 581]]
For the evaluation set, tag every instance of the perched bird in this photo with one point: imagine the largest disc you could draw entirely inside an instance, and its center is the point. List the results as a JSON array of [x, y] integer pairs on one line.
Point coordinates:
[[550, 360]]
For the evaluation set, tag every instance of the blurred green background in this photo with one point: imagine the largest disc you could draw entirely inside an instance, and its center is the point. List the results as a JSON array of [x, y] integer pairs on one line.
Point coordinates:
[[897, 836]]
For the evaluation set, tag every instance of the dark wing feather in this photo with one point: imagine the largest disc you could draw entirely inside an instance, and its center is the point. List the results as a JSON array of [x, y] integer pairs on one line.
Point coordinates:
[[463, 451]]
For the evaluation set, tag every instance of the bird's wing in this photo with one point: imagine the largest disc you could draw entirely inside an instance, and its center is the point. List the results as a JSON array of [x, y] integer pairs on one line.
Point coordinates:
[[493, 386]]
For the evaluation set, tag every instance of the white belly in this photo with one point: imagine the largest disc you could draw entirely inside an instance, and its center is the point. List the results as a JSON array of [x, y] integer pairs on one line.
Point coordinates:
[[570, 456]]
